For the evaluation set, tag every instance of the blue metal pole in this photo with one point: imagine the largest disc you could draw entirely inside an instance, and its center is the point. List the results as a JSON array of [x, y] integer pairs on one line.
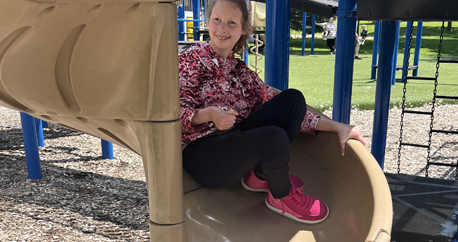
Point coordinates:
[[388, 49], [343, 76], [29, 133], [277, 39], [304, 35], [245, 56], [107, 150], [195, 14], [406, 50], [375, 48], [45, 124], [39, 128], [312, 44], [394, 61], [181, 24], [416, 59]]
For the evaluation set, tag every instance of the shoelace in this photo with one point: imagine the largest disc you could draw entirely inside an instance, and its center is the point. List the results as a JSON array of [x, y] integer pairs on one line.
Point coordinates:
[[297, 197]]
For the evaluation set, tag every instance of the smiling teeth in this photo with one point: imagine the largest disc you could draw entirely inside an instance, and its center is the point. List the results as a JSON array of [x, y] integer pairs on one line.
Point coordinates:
[[222, 38]]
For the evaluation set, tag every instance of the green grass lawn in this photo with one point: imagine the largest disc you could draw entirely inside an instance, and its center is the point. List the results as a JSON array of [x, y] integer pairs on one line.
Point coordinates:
[[314, 74]]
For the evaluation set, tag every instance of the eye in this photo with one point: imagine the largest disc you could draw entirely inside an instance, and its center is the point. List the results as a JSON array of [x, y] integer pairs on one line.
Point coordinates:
[[217, 20]]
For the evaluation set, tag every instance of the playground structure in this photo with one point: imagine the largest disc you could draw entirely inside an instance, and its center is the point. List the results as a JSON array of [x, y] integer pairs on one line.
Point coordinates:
[[159, 123], [129, 96]]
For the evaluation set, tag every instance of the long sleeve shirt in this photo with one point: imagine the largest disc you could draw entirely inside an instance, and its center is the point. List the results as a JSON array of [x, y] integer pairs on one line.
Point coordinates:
[[207, 79]]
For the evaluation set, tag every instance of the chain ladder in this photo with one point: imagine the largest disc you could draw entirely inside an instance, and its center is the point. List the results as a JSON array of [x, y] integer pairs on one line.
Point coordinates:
[[404, 98], [434, 99]]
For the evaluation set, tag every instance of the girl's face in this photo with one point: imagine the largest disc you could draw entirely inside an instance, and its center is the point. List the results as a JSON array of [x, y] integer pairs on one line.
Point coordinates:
[[225, 27]]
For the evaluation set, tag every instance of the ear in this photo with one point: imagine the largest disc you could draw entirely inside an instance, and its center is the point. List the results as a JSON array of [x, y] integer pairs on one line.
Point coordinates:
[[245, 29]]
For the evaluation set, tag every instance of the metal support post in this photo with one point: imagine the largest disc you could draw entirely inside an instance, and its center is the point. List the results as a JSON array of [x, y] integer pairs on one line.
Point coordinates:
[[29, 133], [107, 150], [406, 50], [181, 24], [388, 40], [196, 16], [304, 35], [394, 60], [416, 58], [277, 39], [39, 128], [312, 44], [375, 49], [343, 76]]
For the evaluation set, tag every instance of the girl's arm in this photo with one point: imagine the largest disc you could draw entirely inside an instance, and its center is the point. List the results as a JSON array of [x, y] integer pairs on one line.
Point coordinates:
[[344, 131], [222, 119], [319, 24]]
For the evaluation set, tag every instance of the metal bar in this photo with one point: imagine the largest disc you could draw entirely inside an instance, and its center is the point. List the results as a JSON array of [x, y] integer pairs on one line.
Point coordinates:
[[415, 145], [383, 89], [277, 39], [418, 112], [442, 164], [304, 35], [189, 20], [416, 58], [444, 131], [312, 44], [447, 97], [421, 78], [448, 61], [375, 49], [343, 74], [29, 132], [406, 48]]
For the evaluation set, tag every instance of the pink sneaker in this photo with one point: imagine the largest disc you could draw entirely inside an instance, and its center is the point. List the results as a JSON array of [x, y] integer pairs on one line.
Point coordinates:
[[251, 183], [299, 207]]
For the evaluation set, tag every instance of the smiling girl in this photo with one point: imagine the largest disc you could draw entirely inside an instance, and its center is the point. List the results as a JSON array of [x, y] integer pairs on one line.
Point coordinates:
[[235, 127]]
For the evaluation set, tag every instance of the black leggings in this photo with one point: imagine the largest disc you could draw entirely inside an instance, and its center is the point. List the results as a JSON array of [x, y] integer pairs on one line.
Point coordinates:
[[330, 43], [262, 140]]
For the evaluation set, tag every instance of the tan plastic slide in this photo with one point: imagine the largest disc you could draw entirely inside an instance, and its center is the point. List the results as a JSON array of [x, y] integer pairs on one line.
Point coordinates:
[[109, 68]]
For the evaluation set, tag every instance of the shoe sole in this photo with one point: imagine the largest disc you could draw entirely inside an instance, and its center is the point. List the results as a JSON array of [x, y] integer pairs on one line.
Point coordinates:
[[294, 218], [251, 189], [254, 190]]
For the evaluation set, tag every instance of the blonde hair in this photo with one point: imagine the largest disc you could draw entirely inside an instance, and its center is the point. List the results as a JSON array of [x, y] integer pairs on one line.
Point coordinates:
[[246, 26]]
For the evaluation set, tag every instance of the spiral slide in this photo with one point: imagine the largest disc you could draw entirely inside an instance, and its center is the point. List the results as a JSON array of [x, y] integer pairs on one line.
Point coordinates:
[[109, 68]]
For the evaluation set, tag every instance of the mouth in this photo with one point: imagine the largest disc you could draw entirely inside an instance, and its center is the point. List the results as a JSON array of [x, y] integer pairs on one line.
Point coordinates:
[[222, 38]]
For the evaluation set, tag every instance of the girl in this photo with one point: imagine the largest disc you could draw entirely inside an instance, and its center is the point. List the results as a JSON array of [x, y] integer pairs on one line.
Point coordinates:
[[234, 126]]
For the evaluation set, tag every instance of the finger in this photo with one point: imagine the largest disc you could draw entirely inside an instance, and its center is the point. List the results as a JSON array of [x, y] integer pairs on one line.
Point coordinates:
[[231, 112], [342, 148]]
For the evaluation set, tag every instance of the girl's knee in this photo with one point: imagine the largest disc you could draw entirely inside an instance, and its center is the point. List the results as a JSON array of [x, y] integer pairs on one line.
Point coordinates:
[[275, 138]]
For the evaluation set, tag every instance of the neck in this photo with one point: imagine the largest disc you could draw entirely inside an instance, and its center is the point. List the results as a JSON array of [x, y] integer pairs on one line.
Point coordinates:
[[222, 53]]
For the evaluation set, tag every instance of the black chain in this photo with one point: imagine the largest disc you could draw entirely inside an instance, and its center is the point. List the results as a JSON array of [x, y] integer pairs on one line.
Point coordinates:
[[404, 98], [434, 99]]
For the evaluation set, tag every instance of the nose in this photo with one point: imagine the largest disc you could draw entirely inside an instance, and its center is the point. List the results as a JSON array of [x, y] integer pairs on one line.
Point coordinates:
[[222, 28]]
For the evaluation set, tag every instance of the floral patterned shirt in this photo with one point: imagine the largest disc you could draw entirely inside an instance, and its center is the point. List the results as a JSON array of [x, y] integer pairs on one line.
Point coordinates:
[[207, 79]]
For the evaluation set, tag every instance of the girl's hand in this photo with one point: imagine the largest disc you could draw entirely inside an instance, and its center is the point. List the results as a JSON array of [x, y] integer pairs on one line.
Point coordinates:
[[346, 132], [223, 119]]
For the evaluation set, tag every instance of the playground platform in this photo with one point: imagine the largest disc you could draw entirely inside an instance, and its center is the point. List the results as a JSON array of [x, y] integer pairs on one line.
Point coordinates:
[[422, 208]]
